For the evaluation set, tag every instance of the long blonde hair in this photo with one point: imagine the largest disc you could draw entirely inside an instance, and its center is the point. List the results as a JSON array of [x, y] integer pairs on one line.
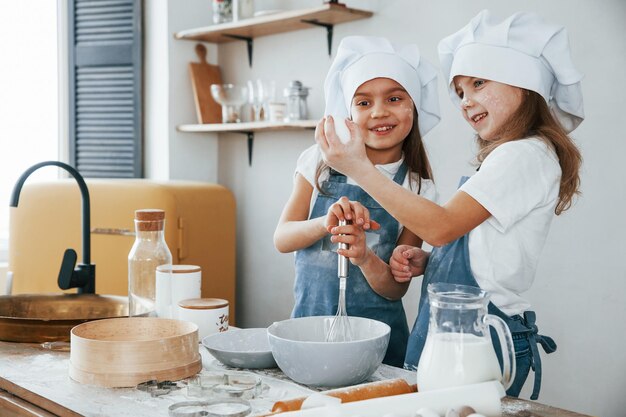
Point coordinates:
[[414, 156], [533, 118]]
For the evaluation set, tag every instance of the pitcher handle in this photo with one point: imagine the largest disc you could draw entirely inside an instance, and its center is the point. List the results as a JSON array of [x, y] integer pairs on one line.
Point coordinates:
[[506, 344]]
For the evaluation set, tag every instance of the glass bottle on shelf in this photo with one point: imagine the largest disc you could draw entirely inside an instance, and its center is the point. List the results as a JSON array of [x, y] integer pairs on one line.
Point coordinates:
[[148, 252]]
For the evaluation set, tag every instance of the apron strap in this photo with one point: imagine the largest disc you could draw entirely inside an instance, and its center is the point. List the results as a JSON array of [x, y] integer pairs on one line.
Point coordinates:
[[547, 343]]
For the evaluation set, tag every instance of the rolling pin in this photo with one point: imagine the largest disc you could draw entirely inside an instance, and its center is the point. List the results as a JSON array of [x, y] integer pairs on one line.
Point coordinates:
[[354, 393]]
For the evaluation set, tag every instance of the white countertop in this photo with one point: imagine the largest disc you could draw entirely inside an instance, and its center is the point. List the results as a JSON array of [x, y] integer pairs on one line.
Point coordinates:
[[46, 373]]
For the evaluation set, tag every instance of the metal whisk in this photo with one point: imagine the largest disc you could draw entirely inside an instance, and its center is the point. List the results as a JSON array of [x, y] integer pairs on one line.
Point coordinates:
[[340, 330]]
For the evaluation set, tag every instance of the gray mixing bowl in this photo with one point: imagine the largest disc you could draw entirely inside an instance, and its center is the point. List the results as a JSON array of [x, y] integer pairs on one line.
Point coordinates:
[[300, 349], [241, 348]]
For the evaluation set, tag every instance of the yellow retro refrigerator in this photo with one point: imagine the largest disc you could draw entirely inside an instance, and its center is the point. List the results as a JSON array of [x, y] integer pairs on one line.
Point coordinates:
[[199, 230]]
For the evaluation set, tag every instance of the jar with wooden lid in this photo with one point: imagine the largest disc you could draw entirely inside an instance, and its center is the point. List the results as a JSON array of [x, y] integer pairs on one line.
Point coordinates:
[[148, 252], [210, 314]]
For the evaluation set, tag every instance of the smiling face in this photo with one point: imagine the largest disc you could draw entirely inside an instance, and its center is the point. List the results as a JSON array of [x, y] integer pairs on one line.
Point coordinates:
[[383, 111], [487, 105]]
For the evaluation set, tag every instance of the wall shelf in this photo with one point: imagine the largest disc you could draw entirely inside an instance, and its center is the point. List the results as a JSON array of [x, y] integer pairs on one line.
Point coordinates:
[[248, 128], [327, 15]]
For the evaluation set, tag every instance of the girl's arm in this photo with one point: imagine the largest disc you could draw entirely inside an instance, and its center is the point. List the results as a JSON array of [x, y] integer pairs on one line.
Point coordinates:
[[294, 231], [377, 272], [435, 224]]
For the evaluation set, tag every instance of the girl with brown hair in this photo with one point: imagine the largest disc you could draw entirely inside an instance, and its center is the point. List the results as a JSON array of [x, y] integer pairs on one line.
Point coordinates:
[[518, 89]]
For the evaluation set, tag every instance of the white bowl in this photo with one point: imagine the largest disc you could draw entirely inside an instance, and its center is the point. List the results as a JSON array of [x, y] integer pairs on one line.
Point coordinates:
[[241, 348], [302, 353]]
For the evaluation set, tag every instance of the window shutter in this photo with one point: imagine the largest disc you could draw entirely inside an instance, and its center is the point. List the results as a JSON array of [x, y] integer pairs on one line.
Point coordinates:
[[106, 88]]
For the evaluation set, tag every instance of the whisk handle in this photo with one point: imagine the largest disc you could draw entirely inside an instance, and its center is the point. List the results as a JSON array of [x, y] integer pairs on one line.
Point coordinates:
[[342, 265]]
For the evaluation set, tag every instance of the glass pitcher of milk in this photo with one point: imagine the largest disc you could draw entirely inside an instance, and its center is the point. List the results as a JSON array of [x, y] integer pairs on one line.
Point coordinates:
[[458, 349]]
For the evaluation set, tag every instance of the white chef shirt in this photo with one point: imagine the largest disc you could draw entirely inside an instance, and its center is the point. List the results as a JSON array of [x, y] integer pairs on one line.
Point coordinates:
[[518, 183], [309, 159]]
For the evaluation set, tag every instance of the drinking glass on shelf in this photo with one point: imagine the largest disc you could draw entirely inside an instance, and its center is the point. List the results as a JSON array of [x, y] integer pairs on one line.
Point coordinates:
[[269, 97], [256, 96], [231, 97]]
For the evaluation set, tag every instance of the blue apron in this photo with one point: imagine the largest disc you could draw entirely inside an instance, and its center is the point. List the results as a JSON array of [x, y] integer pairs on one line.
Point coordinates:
[[451, 264], [317, 285]]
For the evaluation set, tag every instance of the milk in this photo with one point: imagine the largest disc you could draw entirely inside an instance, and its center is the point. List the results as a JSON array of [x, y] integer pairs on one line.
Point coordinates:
[[453, 359]]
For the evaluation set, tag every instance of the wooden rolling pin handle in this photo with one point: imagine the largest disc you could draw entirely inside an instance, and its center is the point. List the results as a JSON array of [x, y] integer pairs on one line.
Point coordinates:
[[355, 393]]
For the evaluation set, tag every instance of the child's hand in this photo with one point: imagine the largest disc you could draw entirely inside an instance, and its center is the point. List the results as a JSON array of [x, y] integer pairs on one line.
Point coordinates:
[[344, 157], [354, 236], [351, 211], [407, 262]]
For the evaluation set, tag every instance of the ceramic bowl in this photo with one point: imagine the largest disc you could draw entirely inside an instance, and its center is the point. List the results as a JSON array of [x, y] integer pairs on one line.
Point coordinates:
[[241, 348], [300, 349]]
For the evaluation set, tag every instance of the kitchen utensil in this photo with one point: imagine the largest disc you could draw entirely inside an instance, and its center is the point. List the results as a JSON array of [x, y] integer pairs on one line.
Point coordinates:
[[241, 348], [231, 97], [302, 353], [458, 347], [124, 352], [37, 318], [354, 393], [485, 398], [225, 407], [340, 330], [203, 75]]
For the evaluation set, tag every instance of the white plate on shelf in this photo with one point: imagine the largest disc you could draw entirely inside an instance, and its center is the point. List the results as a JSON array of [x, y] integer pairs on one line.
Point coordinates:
[[266, 12]]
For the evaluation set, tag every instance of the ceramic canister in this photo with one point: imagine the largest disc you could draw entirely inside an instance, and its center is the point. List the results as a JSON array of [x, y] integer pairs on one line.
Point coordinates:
[[175, 283], [210, 314]]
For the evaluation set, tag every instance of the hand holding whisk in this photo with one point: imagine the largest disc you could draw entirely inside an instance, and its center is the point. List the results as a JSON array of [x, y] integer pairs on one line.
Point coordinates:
[[340, 330]]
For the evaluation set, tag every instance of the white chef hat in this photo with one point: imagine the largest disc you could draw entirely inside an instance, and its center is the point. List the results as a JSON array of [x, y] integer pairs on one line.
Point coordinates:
[[362, 58], [522, 51]]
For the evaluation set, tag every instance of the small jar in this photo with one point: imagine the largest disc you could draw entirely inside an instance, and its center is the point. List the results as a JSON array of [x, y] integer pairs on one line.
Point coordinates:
[[210, 314], [296, 95], [148, 252], [222, 11]]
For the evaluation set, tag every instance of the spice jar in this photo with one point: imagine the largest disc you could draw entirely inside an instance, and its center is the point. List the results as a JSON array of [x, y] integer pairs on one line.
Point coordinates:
[[296, 95], [210, 314], [222, 11], [148, 252]]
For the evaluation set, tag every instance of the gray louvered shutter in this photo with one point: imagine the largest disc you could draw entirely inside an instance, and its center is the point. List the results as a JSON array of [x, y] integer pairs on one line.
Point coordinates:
[[106, 88]]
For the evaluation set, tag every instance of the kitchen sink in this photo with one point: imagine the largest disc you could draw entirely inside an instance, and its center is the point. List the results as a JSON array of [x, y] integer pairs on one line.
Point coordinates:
[[38, 318]]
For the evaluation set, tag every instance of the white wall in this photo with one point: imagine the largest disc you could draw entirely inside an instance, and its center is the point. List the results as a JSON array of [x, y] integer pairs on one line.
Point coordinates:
[[581, 277], [168, 99]]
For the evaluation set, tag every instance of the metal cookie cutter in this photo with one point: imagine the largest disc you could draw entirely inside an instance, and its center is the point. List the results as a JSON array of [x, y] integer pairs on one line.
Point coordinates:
[[226, 407], [241, 385], [156, 388], [201, 385]]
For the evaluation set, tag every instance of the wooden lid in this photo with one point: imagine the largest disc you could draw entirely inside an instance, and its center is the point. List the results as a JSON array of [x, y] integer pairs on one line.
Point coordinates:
[[179, 269], [203, 303], [149, 215], [150, 220]]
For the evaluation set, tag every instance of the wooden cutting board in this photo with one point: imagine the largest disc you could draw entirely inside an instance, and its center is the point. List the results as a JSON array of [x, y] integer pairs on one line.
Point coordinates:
[[202, 76]]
